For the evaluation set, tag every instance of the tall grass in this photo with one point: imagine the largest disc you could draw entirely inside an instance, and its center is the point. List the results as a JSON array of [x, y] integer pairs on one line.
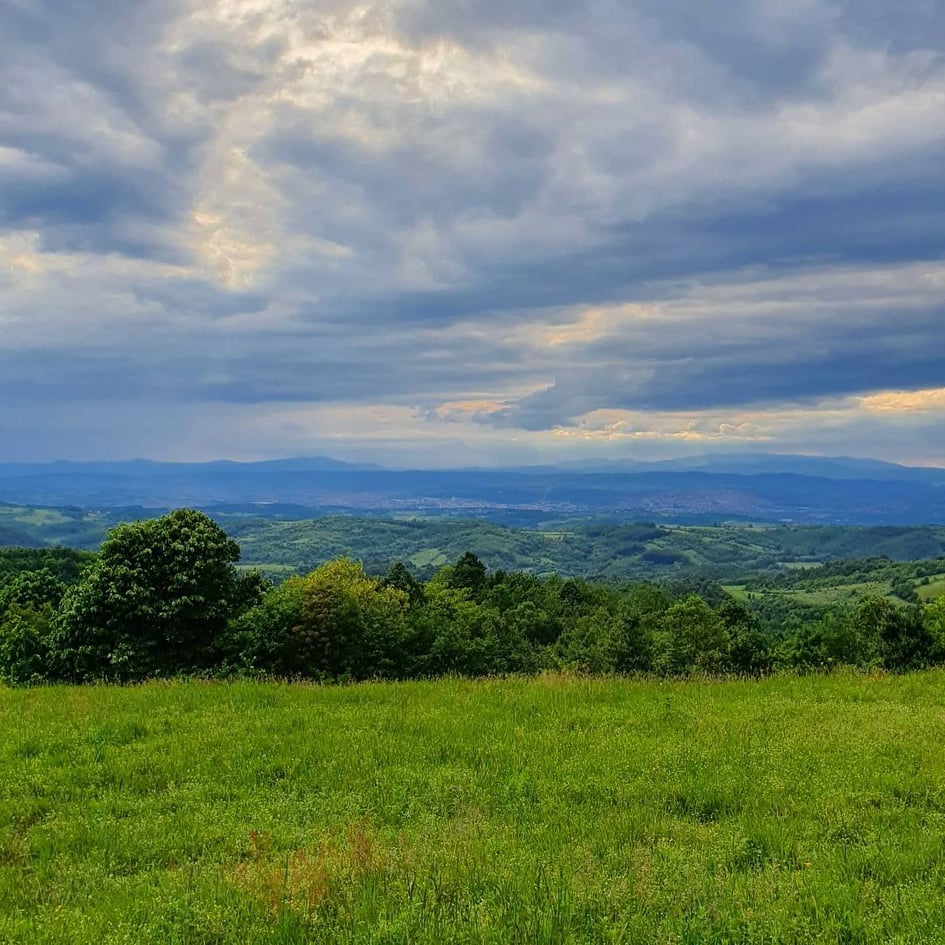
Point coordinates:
[[540, 811]]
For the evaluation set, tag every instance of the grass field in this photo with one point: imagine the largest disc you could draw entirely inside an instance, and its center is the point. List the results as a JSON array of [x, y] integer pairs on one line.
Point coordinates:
[[933, 590], [550, 810]]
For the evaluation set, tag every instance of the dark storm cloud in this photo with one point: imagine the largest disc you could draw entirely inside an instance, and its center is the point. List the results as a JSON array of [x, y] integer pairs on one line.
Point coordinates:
[[901, 27], [875, 218], [396, 203], [755, 52], [742, 376], [426, 183]]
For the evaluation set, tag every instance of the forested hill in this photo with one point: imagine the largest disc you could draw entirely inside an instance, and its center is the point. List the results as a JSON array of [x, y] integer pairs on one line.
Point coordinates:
[[570, 548], [639, 550]]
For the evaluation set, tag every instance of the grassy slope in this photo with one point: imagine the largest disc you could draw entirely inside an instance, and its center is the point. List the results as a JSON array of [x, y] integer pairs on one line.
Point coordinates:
[[506, 811], [809, 587], [932, 590]]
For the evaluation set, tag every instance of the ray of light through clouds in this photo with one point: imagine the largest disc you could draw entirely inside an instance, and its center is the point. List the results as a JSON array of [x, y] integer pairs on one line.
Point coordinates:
[[441, 232]]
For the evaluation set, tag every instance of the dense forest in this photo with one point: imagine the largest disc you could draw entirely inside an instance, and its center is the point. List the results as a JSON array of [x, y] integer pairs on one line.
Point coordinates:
[[165, 597]]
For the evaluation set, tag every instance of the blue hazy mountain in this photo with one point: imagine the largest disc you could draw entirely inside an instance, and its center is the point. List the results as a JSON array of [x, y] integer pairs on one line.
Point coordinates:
[[828, 467], [709, 488]]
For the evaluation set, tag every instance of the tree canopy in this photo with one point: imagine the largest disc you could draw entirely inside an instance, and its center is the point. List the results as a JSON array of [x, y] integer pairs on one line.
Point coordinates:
[[157, 600], [165, 597]]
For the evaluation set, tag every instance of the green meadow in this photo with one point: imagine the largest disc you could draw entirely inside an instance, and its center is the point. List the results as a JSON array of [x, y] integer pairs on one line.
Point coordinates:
[[550, 810]]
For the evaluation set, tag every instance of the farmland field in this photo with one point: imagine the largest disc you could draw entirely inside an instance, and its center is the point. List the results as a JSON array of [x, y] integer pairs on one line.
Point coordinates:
[[551, 810]]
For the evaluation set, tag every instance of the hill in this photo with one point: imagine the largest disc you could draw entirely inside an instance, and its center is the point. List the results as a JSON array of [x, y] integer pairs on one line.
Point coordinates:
[[569, 546]]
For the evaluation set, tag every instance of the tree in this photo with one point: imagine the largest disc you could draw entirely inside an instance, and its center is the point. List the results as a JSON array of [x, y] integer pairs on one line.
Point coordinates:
[[27, 603], [400, 578], [468, 573], [574, 594], [532, 623], [452, 634], [824, 644], [155, 602], [891, 635], [906, 641], [24, 644], [638, 615], [334, 623], [933, 618], [33, 590], [589, 642], [691, 638], [749, 652]]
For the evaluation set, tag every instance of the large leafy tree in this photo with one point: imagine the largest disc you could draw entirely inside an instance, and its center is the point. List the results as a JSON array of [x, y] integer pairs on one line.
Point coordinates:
[[156, 601], [32, 590], [455, 634], [400, 578], [334, 623], [639, 613], [749, 651], [934, 620], [348, 624]]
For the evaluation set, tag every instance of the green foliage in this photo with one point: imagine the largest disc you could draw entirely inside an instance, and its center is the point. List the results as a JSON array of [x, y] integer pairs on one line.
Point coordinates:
[[572, 548], [32, 589], [164, 597], [690, 638], [749, 650], [469, 574], [48, 529], [156, 601], [933, 620], [906, 643], [334, 623], [24, 644], [65, 564], [455, 635], [564, 545], [589, 642], [632, 638], [259, 641], [27, 604], [826, 644], [400, 578]]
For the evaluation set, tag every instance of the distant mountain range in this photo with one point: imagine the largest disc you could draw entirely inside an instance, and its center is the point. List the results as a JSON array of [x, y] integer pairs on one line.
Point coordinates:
[[802, 489], [828, 467]]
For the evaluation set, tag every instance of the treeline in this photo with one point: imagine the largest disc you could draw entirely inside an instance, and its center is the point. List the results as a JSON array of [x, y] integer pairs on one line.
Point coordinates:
[[164, 597]]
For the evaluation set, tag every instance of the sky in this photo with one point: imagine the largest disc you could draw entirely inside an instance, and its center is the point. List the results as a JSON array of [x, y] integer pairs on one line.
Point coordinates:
[[437, 232]]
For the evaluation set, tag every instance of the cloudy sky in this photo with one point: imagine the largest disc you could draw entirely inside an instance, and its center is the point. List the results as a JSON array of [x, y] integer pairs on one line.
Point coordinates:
[[439, 231]]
